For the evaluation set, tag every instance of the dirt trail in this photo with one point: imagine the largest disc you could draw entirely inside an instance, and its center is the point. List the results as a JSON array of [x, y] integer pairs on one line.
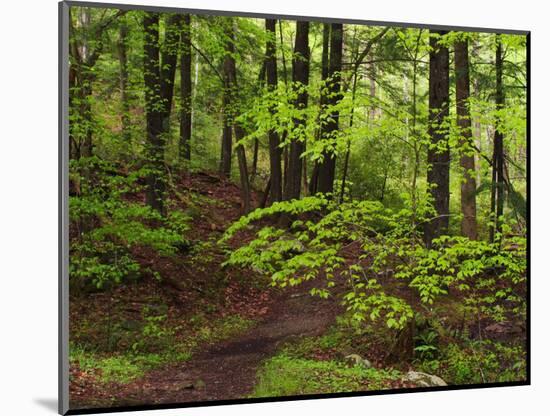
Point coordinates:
[[228, 370]]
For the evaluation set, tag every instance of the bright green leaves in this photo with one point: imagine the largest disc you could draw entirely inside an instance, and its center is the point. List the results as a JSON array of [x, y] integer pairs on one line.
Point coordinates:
[[392, 259], [109, 226]]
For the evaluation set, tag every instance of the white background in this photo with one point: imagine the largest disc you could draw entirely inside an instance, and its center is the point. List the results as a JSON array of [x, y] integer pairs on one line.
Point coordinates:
[[28, 207]]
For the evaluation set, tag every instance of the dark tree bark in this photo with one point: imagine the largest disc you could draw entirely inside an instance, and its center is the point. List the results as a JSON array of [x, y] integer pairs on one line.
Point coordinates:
[[243, 170], [123, 79], [300, 78], [231, 111], [313, 183], [275, 152], [261, 81], [186, 87], [438, 151], [169, 59], [285, 79], [348, 147], [154, 113], [464, 121], [263, 202], [327, 168], [228, 110], [498, 180]]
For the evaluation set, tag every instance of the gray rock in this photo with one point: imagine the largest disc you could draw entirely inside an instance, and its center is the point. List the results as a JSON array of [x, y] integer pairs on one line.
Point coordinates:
[[424, 379], [356, 359]]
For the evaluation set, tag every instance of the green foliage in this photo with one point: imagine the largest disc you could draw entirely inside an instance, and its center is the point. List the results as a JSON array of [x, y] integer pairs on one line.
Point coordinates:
[[285, 376], [120, 369], [108, 225], [156, 343], [490, 275], [478, 362], [426, 344]]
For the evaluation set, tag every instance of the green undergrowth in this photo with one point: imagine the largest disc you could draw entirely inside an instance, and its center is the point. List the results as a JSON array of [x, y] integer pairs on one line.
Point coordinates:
[[477, 362], [313, 365], [157, 344], [285, 375]]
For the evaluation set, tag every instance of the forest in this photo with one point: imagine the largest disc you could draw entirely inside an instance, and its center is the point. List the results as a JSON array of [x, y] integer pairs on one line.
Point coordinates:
[[268, 208]]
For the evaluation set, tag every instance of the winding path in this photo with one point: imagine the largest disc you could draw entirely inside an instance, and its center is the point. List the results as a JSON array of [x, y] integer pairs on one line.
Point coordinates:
[[228, 370]]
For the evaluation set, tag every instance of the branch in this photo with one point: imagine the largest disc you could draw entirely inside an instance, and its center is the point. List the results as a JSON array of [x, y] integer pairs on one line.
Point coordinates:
[[209, 63], [368, 47]]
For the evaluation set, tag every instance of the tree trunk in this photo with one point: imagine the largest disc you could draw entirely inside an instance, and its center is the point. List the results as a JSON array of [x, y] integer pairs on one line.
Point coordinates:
[[169, 58], [327, 167], [243, 170], [464, 122], [230, 99], [186, 101], [300, 78], [438, 150], [154, 113], [228, 111], [314, 181], [275, 152], [497, 189], [123, 80], [256, 146]]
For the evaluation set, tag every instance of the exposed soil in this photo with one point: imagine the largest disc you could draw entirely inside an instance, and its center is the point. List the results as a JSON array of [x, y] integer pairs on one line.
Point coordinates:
[[228, 370]]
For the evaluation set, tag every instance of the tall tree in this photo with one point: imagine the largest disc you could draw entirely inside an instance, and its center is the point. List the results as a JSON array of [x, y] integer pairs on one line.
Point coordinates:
[[464, 122], [186, 90], [123, 78], [327, 167], [231, 98], [169, 59], [322, 100], [300, 79], [438, 150], [243, 168], [261, 81], [153, 113], [498, 181], [228, 104], [275, 152], [159, 68]]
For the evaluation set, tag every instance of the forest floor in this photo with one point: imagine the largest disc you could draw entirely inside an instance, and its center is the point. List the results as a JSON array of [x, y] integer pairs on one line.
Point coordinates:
[[204, 332], [227, 370], [218, 366]]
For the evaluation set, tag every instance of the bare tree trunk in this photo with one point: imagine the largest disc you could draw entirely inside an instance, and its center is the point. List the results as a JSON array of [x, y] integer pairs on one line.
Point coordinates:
[[154, 115], [314, 182], [300, 76], [243, 170], [123, 80], [168, 62], [228, 111], [354, 77], [230, 98], [438, 150], [327, 169], [186, 90], [275, 152], [372, 90], [467, 162], [497, 189]]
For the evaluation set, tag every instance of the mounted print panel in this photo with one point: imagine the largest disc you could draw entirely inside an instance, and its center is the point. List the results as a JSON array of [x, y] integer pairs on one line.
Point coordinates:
[[266, 208]]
